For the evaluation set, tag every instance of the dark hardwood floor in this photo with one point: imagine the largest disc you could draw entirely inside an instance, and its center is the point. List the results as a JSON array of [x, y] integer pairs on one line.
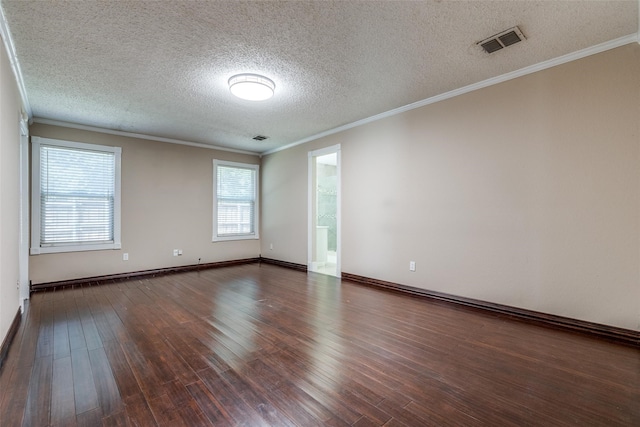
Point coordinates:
[[261, 345]]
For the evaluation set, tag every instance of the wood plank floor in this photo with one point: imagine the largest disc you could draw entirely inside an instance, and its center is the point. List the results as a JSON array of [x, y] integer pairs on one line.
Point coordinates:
[[260, 345]]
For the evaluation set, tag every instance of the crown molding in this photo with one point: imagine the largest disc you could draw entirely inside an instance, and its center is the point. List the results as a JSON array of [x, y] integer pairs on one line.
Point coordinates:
[[15, 65], [138, 135], [612, 44]]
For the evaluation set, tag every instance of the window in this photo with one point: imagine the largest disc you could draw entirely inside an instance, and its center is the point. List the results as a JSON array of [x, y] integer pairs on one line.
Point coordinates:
[[75, 197], [235, 201]]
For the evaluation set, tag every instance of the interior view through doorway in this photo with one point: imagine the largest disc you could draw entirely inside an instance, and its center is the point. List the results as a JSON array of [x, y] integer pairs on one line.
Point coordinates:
[[324, 211]]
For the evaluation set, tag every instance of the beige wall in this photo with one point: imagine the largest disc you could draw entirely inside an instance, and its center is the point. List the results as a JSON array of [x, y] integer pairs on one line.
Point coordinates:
[[9, 194], [167, 197], [526, 193]]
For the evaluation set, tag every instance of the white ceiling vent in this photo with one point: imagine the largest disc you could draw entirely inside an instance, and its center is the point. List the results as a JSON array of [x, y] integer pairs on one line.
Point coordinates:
[[502, 40]]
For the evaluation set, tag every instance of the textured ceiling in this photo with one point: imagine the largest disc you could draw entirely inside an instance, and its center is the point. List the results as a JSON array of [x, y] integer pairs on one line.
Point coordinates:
[[161, 68]]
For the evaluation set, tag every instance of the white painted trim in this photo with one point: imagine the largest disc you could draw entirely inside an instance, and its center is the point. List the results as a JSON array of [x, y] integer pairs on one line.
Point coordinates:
[[13, 59], [23, 254], [36, 248], [138, 135], [472, 87], [256, 204], [339, 215], [326, 150], [311, 193]]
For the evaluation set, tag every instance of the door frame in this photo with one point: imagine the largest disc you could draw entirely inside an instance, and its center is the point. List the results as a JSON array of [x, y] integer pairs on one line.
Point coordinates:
[[311, 193], [23, 247]]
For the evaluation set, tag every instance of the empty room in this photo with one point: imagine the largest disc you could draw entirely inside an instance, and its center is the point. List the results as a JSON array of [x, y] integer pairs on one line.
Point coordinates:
[[320, 213]]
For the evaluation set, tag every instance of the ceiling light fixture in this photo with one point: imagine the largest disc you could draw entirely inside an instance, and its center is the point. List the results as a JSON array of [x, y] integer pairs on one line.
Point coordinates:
[[252, 87]]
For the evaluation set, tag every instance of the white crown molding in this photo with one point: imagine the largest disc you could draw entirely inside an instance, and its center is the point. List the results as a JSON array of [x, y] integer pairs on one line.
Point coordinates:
[[472, 87], [15, 65], [137, 135]]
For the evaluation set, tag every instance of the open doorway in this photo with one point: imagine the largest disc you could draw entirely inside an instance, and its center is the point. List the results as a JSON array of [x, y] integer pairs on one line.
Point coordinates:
[[324, 211]]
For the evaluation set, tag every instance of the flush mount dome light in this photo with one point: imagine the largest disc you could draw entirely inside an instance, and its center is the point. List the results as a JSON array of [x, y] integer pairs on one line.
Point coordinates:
[[252, 87]]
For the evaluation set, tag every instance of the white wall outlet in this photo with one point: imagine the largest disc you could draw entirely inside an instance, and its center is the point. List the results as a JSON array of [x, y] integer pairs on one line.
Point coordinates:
[[125, 256], [270, 246], [179, 252], [412, 266], [175, 252]]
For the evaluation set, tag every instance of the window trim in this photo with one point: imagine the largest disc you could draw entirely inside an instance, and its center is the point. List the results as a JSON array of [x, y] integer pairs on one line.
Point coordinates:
[[36, 249], [256, 206]]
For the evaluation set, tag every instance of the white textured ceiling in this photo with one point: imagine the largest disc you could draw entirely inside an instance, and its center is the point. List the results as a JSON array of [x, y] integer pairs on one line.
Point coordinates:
[[161, 67]]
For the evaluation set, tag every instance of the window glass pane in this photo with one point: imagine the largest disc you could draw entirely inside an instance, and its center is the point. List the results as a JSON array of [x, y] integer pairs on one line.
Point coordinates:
[[235, 195], [77, 190]]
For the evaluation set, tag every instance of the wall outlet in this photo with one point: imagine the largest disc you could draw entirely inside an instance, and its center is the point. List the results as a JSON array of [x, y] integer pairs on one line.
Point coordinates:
[[175, 252], [125, 256], [179, 252], [412, 266], [270, 246]]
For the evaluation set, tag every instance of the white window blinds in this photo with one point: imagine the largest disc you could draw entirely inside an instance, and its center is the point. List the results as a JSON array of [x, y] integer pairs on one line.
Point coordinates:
[[235, 200], [78, 196]]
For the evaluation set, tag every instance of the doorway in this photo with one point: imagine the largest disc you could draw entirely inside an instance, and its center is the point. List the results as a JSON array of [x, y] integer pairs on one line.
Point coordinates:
[[324, 211]]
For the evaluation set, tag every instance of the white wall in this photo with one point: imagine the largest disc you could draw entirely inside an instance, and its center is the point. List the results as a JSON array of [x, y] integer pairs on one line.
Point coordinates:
[[10, 106], [526, 193], [167, 203]]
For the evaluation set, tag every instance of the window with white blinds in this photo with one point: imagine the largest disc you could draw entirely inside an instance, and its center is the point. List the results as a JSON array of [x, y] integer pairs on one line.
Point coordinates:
[[235, 205], [76, 196]]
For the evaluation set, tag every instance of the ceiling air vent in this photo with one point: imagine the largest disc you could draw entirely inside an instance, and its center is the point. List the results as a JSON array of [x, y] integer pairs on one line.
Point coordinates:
[[502, 40], [260, 137]]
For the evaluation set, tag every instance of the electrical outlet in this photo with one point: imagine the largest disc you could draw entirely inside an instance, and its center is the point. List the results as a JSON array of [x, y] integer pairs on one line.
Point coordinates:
[[125, 257], [412, 266], [271, 246], [175, 252], [179, 252]]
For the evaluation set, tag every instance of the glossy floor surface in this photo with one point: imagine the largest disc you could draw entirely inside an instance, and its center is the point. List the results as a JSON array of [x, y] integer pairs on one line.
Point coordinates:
[[260, 345]]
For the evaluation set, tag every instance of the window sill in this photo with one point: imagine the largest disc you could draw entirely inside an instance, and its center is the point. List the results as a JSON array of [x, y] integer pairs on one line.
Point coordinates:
[[75, 248], [238, 237]]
